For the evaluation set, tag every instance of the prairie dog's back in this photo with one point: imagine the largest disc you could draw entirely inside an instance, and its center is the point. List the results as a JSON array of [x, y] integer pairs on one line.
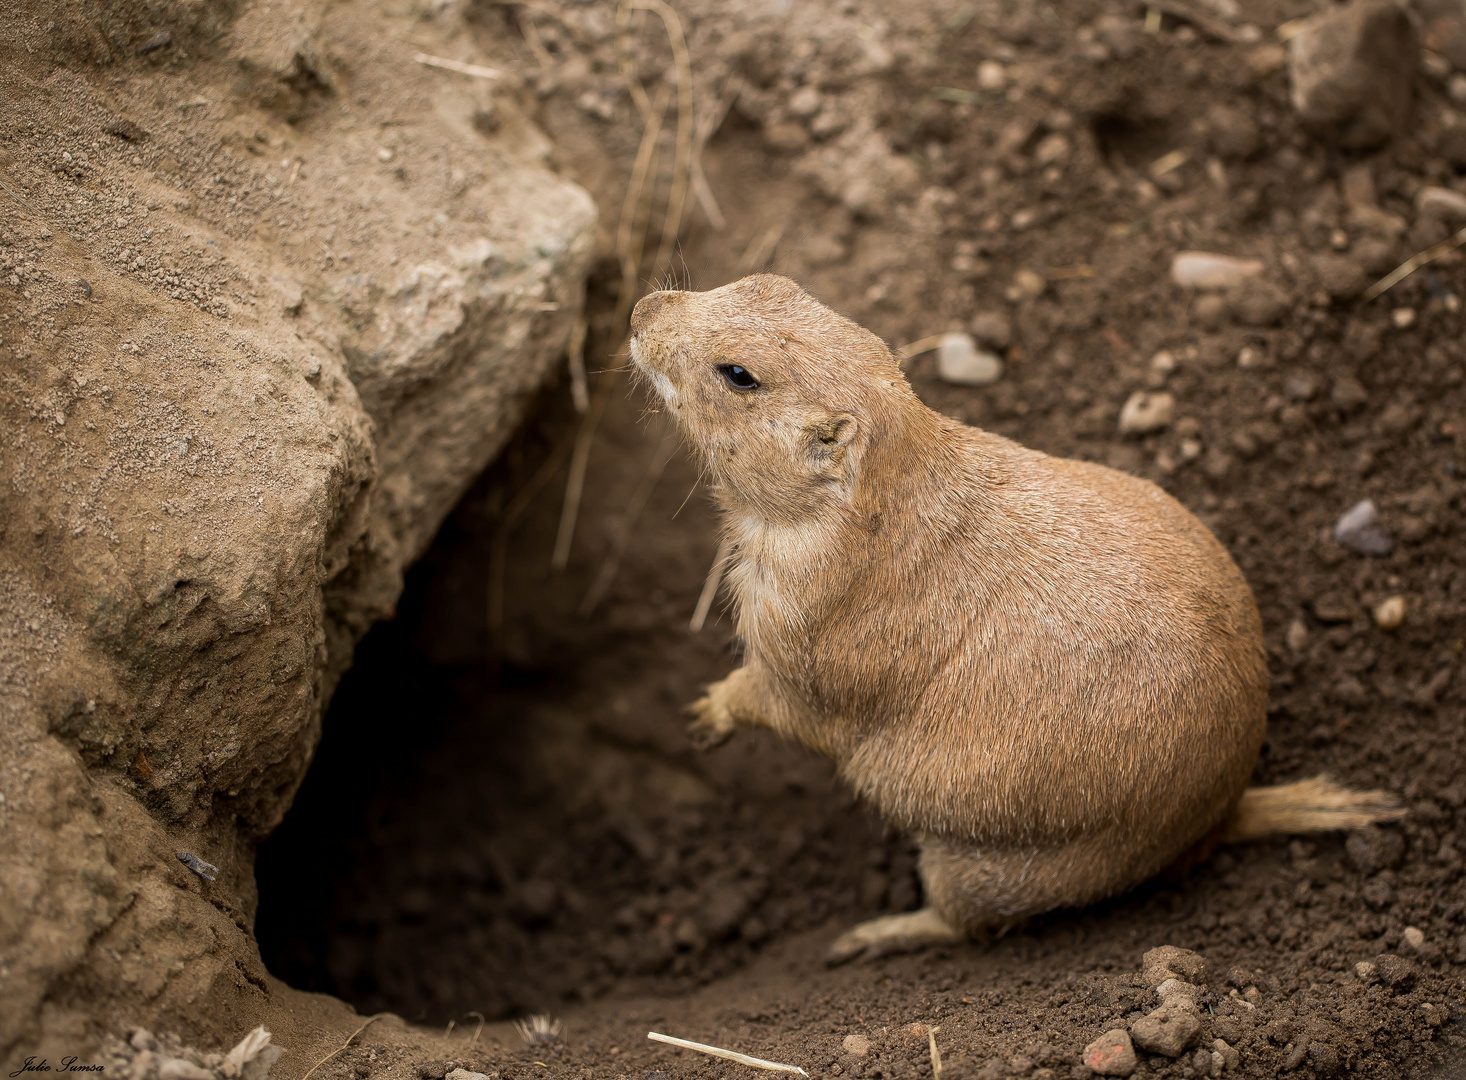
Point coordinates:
[[1089, 660]]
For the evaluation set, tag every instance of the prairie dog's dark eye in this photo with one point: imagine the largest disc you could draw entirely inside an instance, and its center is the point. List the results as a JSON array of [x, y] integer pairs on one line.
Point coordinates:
[[738, 377]]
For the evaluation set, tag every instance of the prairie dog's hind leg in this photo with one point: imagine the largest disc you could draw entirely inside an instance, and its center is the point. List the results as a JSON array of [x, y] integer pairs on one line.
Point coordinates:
[[736, 701], [972, 891]]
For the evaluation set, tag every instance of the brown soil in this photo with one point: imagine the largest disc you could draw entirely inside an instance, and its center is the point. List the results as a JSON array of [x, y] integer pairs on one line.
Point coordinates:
[[510, 824]]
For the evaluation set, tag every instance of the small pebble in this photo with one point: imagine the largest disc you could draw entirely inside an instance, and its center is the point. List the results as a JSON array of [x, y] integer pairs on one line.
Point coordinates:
[[962, 363], [1112, 1054], [1146, 412], [1403, 318], [1358, 529], [1231, 1059], [1163, 362], [1176, 993], [206, 870], [992, 75], [1390, 613], [1027, 285], [384, 153], [1210, 272], [856, 1045], [1365, 972], [1297, 635], [805, 102], [1414, 937]]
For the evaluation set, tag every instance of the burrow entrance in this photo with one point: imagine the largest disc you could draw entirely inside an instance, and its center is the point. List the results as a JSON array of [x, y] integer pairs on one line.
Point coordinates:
[[512, 822]]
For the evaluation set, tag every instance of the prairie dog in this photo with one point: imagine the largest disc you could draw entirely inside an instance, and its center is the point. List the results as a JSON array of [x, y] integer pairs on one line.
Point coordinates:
[[1047, 670]]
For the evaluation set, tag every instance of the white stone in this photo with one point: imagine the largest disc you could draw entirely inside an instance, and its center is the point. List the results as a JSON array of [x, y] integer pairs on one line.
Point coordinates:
[[991, 75], [961, 362], [1146, 412], [1211, 272]]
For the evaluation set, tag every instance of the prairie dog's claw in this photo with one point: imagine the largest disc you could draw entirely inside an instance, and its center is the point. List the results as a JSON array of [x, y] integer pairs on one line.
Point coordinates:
[[711, 724]]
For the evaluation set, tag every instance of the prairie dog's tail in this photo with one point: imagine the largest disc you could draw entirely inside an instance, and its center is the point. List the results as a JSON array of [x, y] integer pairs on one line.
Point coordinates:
[[1316, 805]]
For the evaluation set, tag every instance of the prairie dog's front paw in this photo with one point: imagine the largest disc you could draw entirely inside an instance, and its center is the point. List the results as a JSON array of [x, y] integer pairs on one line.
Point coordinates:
[[712, 724]]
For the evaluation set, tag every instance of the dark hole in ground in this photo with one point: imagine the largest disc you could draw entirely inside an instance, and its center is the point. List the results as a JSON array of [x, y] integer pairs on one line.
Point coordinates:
[[514, 832]]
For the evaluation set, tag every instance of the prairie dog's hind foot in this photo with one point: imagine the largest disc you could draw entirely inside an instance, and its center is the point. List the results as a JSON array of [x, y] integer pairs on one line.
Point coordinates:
[[908, 932]]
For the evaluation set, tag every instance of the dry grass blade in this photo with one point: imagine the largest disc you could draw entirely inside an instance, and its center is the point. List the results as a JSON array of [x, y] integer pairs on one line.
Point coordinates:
[[707, 126], [710, 586], [627, 246], [916, 348], [499, 546], [1414, 263], [475, 70], [761, 248], [579, 463], [931, 1038], [532, 38], [682, 160], [728, 1055], [655, 466], [349, 1040], [575, 357], [478, 1030]]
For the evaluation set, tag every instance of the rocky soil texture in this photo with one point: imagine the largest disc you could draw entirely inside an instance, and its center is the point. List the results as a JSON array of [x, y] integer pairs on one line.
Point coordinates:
[[1150, 235]]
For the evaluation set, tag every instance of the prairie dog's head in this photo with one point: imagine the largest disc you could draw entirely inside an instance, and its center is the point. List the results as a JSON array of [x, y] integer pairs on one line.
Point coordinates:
[[780, 394]]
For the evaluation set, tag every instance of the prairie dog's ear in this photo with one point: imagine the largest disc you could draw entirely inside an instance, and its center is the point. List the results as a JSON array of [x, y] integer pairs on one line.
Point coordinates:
[[828, 437]]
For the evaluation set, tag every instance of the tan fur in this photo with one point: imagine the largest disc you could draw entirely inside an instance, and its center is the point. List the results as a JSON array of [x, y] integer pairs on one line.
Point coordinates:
[[1048, 670]]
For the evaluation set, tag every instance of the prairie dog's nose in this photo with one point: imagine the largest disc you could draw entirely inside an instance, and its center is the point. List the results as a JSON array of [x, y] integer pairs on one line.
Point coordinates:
[[647, 307]]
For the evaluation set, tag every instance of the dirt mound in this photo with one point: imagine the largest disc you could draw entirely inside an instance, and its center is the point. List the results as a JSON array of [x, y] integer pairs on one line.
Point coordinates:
[[263, 318]]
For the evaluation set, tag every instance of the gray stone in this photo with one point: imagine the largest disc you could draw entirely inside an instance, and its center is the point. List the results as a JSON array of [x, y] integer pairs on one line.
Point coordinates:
[[1352, 71], [1359, 530]]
